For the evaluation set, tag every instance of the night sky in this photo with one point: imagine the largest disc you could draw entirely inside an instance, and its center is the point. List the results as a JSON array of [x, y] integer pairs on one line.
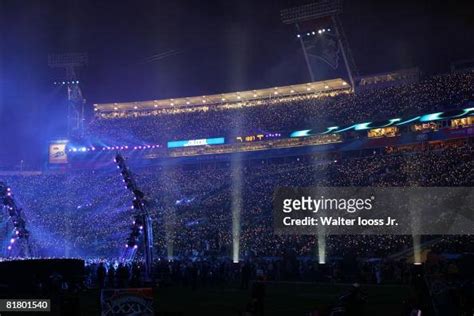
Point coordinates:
[[212, 47]]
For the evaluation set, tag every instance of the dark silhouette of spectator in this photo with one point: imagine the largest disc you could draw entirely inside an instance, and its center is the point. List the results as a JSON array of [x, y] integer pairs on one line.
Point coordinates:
[[101, 273], [122, 275], [111, 277], [258, 296], [245, 276]]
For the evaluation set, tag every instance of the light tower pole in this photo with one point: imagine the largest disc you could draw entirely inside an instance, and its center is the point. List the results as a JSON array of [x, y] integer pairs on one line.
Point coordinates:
[[75, 114], [326, 11]]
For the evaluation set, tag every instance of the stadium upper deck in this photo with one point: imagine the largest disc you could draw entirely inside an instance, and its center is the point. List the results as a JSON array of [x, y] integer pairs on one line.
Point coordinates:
[[221, 101]]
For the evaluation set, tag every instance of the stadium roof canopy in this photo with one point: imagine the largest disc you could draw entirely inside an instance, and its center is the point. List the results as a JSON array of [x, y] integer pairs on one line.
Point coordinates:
[[326, 86]]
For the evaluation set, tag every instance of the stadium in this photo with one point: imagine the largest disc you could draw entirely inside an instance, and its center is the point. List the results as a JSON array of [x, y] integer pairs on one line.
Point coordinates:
[[172, 202]]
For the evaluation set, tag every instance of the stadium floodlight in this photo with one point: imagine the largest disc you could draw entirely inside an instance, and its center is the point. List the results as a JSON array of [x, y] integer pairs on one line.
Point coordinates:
[[320, 12], [70, 62], [311, 11]]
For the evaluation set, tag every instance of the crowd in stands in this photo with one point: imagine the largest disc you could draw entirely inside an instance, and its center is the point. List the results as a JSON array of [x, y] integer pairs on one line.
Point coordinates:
[[88, 213], [286, 114]]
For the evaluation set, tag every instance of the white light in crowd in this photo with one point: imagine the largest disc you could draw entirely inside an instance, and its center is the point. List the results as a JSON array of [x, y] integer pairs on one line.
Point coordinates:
[[115, 108], [156, 105], [223, 99], [321, 248], [329, 30], [298, 35], [292, 91], [96, 109], [276, 92], [135, 107], [308, 88], [238, 97], [203, 101], [236, 207], [308, 34], [313, 32], [416, 249], [326, 87], [188, 102], [344, 83], [12, 240], [172, 104], [254, 95], [319, 31]]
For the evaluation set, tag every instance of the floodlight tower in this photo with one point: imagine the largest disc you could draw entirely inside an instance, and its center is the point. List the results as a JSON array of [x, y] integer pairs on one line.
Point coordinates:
[[75, 114], [323, 11]]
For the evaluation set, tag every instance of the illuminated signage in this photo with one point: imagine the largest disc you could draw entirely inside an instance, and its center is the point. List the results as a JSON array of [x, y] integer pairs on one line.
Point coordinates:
[[256, 137], [393, 122], [383, 132], [57, 152], [196, 142]]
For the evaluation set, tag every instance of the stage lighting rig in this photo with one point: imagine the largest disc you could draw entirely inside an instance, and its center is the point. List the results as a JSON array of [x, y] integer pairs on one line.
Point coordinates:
[[141, 225], [19, 240]]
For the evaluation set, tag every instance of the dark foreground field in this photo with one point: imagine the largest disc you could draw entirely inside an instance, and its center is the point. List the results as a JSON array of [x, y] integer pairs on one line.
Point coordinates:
[[281, 299]]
